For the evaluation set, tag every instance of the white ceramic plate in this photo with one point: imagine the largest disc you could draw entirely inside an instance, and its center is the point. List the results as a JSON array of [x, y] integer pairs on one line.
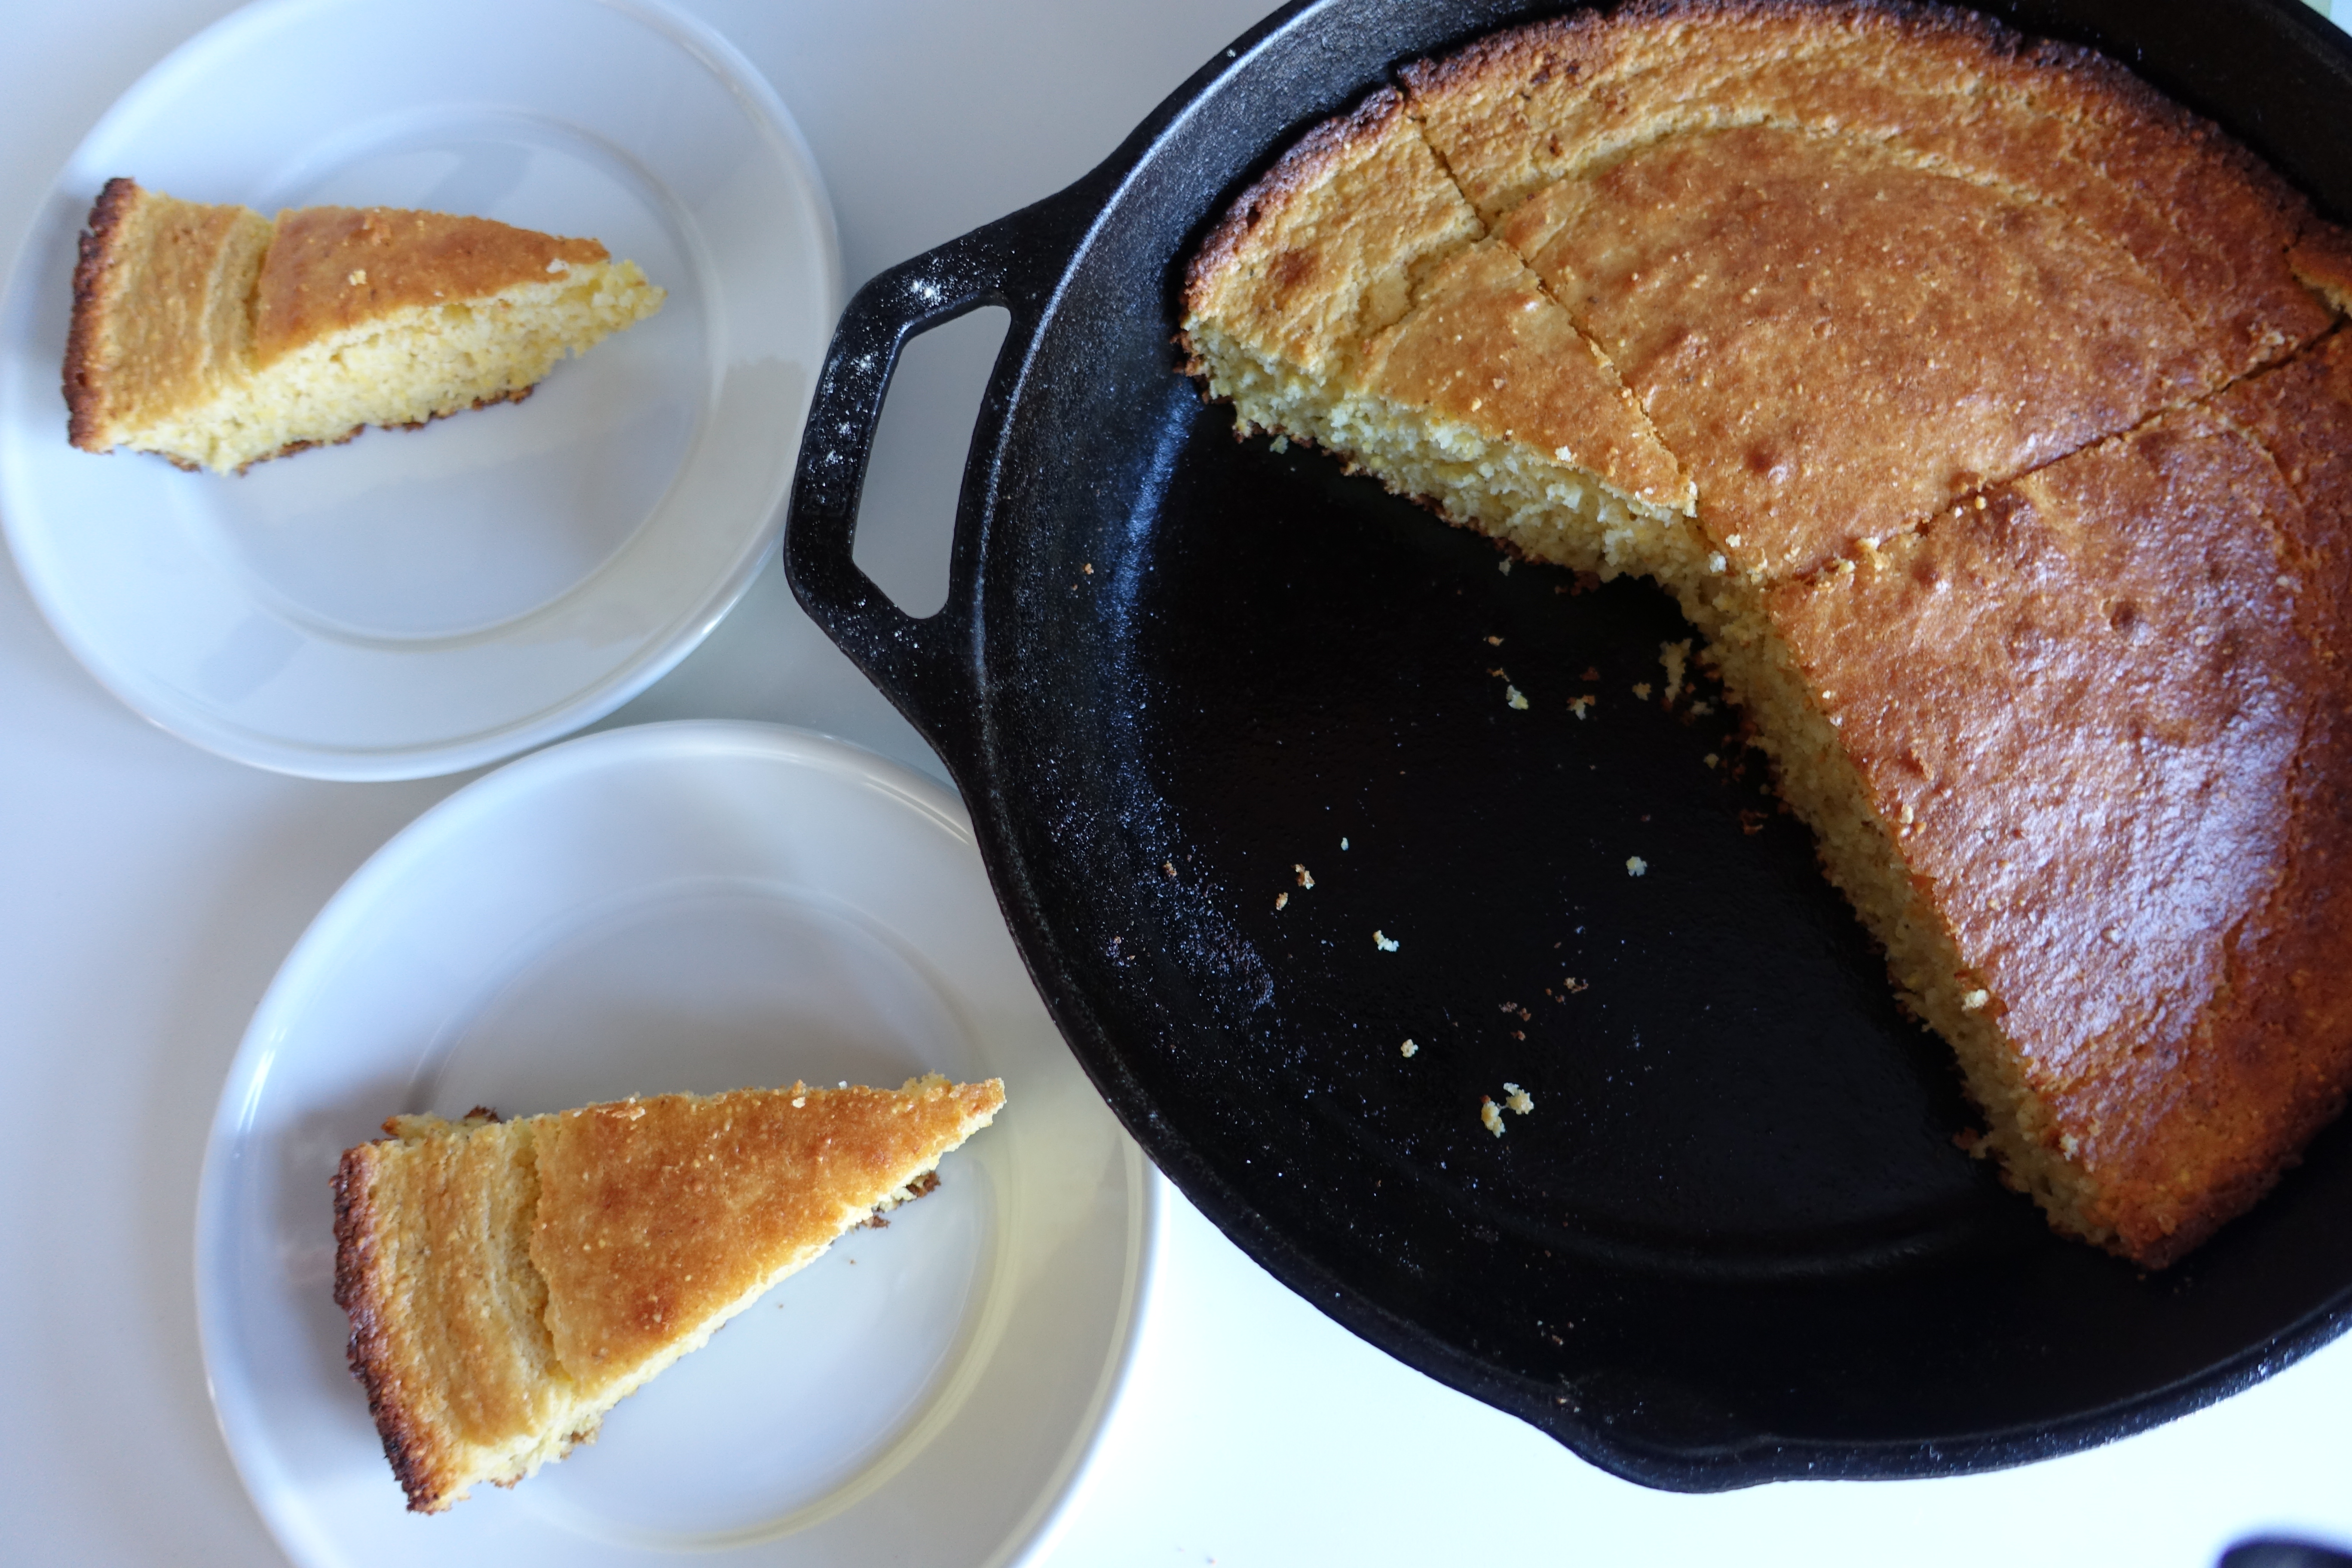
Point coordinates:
[[694, 906], [418, 602]]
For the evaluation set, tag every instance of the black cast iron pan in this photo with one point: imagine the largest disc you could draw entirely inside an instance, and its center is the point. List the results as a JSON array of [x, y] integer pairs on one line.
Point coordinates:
[[1734, 1240]]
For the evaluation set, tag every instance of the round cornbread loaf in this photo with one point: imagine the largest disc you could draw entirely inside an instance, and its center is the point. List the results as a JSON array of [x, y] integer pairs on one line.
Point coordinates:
[[1987, 413]]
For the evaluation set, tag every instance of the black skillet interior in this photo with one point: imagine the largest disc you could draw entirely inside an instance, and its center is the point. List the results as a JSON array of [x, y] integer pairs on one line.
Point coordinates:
[[1733, 1240]]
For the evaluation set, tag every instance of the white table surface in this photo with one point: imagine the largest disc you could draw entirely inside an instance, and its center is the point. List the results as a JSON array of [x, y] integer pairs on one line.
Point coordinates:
[[148, 891]]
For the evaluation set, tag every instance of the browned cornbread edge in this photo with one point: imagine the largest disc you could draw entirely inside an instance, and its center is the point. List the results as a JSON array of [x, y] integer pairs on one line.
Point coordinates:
[[1296, 170], [419, 1464], [85, 385]]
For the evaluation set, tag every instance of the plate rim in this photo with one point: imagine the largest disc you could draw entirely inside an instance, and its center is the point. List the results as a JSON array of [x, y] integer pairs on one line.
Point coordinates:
[[1144, 1222], [755, 97]]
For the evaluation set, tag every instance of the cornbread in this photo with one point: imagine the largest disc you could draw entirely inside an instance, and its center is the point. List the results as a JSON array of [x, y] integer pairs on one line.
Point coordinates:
[[217, 338], [1987, 414], [509, 1282]]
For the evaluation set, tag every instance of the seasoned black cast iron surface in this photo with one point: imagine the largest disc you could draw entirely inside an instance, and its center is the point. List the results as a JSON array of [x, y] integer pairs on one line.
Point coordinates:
[[1733, 1240]]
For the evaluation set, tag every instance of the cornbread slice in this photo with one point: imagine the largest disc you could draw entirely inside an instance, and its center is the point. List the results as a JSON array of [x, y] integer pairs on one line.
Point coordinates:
[[1349, 300], [2098, 728], [217, 338], [1843, 266], [509, 1282]]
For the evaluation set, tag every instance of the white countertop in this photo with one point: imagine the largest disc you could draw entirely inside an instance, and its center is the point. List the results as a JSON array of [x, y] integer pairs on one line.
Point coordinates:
[[148, 891]]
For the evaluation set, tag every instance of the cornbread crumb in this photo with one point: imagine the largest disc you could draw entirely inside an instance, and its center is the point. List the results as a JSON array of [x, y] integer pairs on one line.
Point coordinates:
[[1512, 696], [1304, 880], [1580, 706], [1675, 656], [1408, 1049], [1642, 689], [1521, 1099], [1490, 1116], [1280, 900], [1636, 867], [1385, 943]]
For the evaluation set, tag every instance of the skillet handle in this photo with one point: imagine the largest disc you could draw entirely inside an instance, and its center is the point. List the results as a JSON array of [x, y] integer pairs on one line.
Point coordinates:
[[928, 668]]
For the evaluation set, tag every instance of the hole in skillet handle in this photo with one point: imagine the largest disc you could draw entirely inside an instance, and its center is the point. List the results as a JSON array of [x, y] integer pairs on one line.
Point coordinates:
[[925, 666], [907, 516]]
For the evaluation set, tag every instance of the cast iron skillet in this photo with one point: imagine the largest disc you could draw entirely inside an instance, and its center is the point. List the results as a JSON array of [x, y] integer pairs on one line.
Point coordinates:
[[1734, 1240]]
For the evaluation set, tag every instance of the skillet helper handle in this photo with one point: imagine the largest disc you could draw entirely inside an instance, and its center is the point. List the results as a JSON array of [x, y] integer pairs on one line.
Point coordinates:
[[926, 666]]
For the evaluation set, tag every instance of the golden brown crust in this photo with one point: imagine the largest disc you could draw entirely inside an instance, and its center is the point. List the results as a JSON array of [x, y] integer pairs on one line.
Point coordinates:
[[1950, 217], [93, 291], [1356, 260], [1484, 345], [1525, 107], [1837, 343], [1306, 166], [2322, 259], [418, 1462], [661, 1211], [2108, 711], [1324, 251], [332, 268]]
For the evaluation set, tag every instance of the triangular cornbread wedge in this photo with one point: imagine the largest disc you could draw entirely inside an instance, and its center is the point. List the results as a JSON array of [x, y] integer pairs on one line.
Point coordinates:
[[509, 1282], [217, 338]]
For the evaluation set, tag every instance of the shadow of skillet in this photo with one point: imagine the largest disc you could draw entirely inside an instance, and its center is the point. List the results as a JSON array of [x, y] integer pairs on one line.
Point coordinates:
[[2274, 1551]]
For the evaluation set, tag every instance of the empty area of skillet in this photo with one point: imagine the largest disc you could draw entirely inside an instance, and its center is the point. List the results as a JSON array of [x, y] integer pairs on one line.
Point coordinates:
[[1735, 1237]]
